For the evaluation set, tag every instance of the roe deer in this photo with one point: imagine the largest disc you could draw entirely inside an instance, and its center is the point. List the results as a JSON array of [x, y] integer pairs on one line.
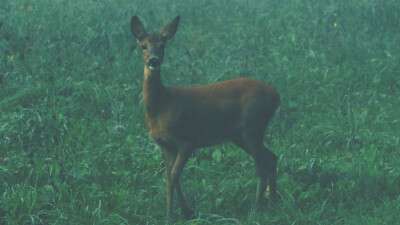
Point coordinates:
[[181, 119]]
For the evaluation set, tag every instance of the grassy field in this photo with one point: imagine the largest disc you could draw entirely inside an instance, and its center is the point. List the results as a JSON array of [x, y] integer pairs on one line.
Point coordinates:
[[74, 148]]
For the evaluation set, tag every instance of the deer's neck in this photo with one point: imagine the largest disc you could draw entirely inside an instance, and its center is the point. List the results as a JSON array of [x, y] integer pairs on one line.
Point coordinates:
[[154, 92]]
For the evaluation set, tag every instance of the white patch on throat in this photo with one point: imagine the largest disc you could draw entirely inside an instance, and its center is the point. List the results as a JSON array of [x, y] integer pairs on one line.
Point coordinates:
[[154, 68]]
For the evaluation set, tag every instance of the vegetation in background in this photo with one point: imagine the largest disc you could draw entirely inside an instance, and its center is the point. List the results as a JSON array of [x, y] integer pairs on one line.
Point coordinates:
[[73, 144]]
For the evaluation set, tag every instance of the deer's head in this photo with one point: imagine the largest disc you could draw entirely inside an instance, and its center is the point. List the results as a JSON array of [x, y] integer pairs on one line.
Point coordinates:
[[152, 45]]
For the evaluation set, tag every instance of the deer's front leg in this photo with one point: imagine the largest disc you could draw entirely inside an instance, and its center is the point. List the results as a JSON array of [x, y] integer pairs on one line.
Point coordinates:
[[169, 159], [187, 212], [176, 171]]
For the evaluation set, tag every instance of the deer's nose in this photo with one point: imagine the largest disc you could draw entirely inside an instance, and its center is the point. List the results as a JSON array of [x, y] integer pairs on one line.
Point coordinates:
[[154, 62]]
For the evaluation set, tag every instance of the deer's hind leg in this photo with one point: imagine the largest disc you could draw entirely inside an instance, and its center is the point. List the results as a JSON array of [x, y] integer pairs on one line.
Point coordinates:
[[271, 164], [260, 169], [265, 161]]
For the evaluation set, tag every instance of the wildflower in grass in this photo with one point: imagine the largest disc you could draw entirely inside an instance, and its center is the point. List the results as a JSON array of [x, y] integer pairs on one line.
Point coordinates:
[[49, 188], [11, 57], [7, 139], [302, 125], [349, 155], [334, 24], [5, 160]]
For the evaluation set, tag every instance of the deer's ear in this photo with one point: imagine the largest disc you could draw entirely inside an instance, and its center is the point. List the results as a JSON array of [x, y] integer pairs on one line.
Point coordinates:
[[170, 29], [137, 29]]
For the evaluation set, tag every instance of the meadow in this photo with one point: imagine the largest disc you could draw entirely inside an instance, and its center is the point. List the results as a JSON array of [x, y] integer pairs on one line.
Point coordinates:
[[74, 148]]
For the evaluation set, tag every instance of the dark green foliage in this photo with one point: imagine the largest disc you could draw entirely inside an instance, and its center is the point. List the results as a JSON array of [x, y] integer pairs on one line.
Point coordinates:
[[73, 144]]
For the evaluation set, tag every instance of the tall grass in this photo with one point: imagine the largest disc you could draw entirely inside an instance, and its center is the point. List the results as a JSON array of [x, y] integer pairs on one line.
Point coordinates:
[[73, 143]]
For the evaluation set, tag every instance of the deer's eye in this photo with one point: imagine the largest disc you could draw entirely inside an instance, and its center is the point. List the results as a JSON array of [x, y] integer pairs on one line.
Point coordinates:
[[144, 47]]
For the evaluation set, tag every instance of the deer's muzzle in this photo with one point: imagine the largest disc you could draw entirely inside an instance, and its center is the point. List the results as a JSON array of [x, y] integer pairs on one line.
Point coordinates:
[[154, 63]]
